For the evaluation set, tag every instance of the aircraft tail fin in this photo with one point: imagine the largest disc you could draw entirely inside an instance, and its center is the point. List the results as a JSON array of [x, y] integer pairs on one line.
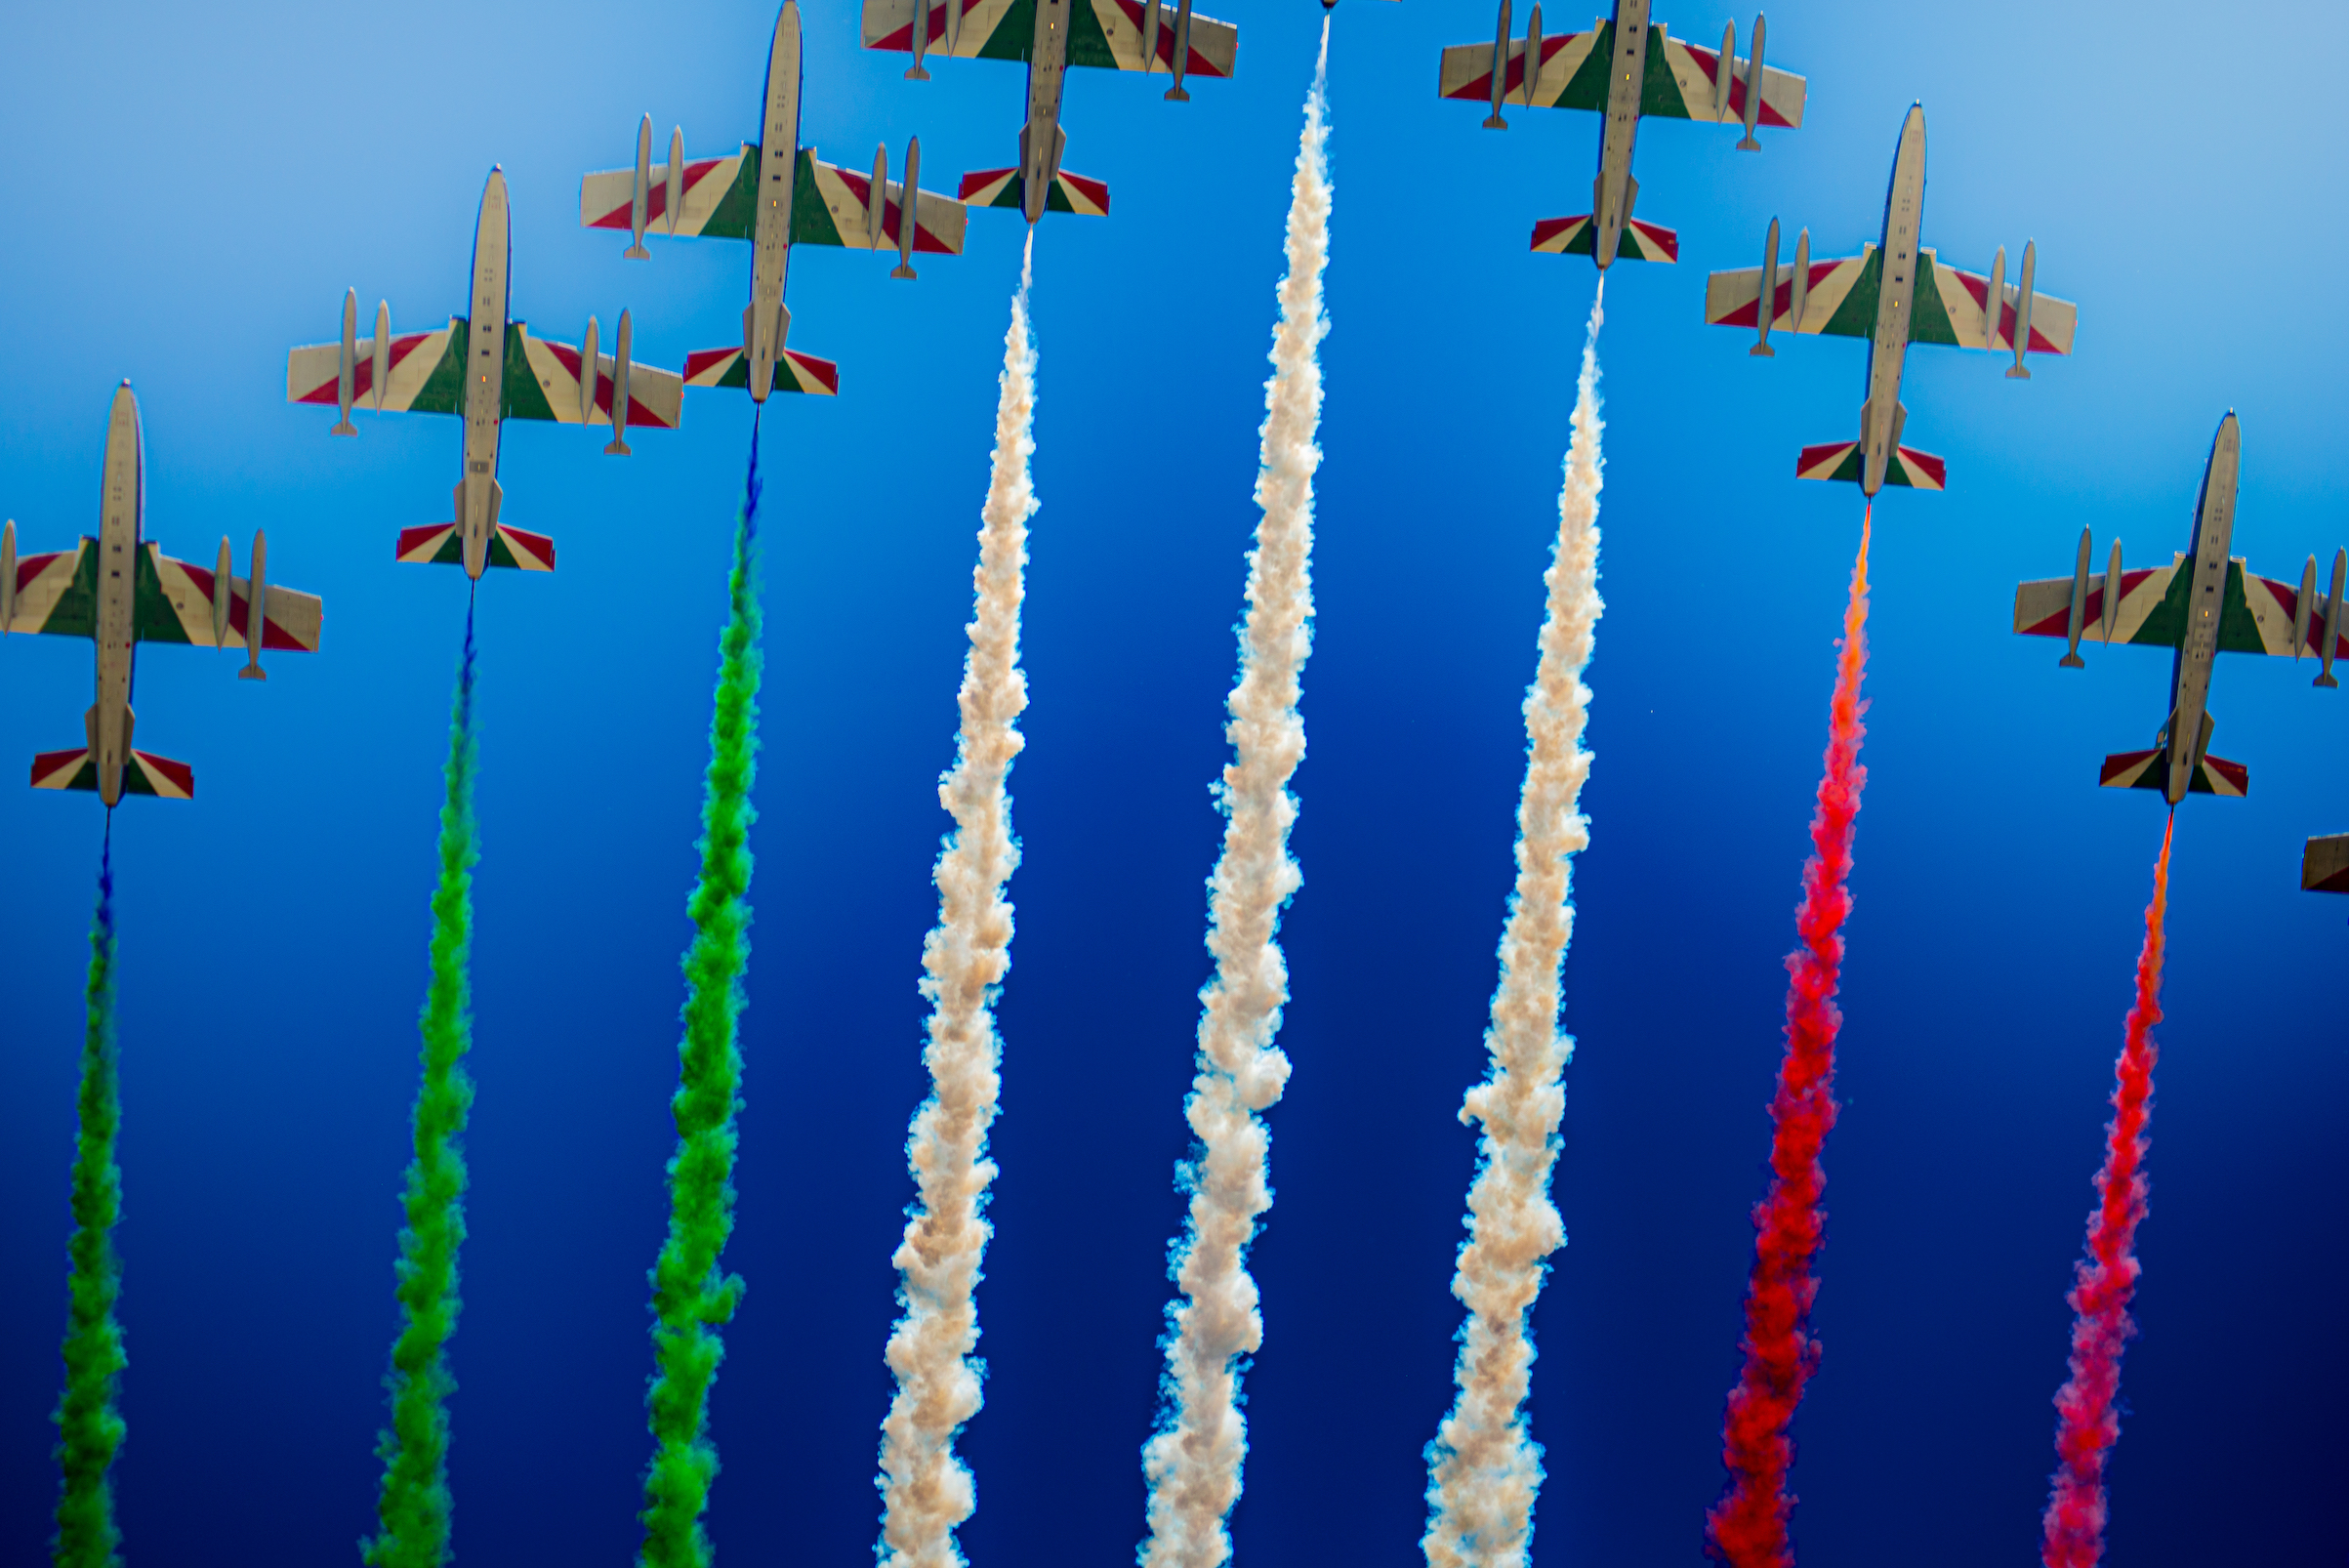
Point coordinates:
[[2325, 865], [2148, 770], [1576, 236], [437, 544], [1008, 187], [795, 372], [145, 774], [1840, 460]]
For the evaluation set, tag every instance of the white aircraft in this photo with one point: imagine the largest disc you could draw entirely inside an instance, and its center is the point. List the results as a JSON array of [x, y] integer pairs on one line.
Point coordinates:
[[1624, 68], [2203, 603], [119, 591], [1051, 35], [1892, 294], [775, 194], [489, 369]]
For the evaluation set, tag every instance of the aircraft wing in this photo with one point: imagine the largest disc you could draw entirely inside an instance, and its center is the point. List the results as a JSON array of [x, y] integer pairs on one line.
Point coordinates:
[[173, 603], [2256, 616], [1954, 308], [543, 377], [719, 199], [426, 372], [1573, 75], [832, 206], [1841, 301], [57, 593], [1103, 33]]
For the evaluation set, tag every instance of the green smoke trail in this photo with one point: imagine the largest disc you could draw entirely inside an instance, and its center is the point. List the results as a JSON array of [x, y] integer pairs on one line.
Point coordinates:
[[413, 1505], [691, 1298], [89, 1427]]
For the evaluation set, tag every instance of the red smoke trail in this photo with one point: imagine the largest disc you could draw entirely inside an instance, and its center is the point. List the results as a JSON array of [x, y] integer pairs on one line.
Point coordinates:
[[1748, 1527], [2086, 1424]]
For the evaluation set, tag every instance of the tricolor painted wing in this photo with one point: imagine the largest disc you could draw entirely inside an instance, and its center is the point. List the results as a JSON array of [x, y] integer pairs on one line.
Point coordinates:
[[173, 604], [542, 382], [2150, 770], [1106, 35], [1678, 82], [427, 376], [57, 593], [719, 201], [2324, 864], [794, 371], [1840, 460], [832, 206], [1008, 187], [2256, 616], [1952, 307], [437, 544], [145, 774]]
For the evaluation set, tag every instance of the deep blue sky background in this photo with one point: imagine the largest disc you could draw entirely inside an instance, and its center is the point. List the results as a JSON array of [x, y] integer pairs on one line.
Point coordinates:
[[196, 186]]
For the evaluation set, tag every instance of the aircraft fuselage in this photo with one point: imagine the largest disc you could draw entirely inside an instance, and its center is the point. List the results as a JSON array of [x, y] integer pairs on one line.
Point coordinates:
[[477, 493], [122, 506], [1040, 139], [1615, 189], [1897, 258], [2190, 673], [765, 323]]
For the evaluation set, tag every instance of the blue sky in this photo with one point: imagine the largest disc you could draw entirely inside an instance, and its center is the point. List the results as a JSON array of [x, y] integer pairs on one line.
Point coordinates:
[[196, 190]]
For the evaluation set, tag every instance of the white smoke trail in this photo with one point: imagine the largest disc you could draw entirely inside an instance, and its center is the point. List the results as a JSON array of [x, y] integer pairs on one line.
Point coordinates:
[[926, 1490], [1193, 1461], [1484, 1467]]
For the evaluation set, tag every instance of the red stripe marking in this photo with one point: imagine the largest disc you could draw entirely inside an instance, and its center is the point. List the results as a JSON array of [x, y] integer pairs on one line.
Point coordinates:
[[2235, 773], [978, 181], [537, 546], [1547, 230], [701, 359], [1664, 239], [823, 370], [48, 764], [1092, 190], [179, 773], [1927, 464]]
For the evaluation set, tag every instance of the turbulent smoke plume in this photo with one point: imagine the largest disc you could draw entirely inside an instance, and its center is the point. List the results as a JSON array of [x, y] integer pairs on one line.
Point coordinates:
[[412, 1506], [89, 1427], [926, 1490], [2087, 1424], [1747, 1526], [692, 1298], [1193, 1462], [1484, 1468]]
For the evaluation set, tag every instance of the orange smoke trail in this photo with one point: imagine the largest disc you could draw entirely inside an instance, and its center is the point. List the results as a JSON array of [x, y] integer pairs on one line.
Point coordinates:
[[2086, 1424], [1748, 1527]]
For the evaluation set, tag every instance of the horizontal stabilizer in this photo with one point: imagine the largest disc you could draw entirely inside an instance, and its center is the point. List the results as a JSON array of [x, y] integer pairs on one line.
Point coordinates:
[[1008, 187], [145, 774], [438, 544], [2325, 866], [732, 367], [1840, 460], [1575, 236], [2148, 770]]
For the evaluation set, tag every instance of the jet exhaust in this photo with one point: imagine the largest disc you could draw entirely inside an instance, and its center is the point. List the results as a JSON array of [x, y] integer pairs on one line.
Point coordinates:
[[412, 1503], [2087, 1423], [1484, 1468], [1194, 1458], [927, 1492], [90, 1426], [1748, 1527], [692, 1298]]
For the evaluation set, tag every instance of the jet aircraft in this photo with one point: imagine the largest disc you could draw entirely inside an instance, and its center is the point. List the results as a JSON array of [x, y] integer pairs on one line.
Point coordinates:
[[1892, 294], [1624, 68], [120, 591], [1051, 36], [489, 369], [2325, 865], [2203, 603], [775, 194]]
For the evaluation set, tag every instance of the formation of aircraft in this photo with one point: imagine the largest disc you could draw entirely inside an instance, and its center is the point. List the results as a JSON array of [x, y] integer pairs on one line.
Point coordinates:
[[775, 193], [2204, 603], [1051, 35], [119, 590], [1893, 293], [1625, 68], [489, 369]]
